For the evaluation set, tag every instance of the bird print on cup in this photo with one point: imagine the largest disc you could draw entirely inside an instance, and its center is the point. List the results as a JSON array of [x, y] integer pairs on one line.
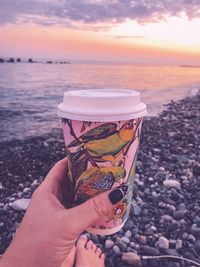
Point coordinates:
[[97, 156]]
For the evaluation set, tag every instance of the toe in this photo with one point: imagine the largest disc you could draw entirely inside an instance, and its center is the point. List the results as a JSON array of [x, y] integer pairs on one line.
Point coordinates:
[[94, 248], [89, 244], [81, 241], [102, 257], [98, 252]]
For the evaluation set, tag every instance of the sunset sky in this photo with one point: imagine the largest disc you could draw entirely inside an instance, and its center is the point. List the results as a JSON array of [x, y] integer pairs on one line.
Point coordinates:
[[143, 31]]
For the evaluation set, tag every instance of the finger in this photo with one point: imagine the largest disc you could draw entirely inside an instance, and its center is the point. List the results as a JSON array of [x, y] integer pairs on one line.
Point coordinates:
[[55, 176], [90, 211], [58, 184]]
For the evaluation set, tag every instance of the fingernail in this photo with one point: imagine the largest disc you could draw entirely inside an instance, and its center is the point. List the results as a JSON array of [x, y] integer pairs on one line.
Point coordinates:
[[116, 195], [124, 188]]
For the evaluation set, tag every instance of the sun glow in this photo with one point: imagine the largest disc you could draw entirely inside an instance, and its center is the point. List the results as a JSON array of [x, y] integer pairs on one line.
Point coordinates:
[[174, 33], [172, 40]]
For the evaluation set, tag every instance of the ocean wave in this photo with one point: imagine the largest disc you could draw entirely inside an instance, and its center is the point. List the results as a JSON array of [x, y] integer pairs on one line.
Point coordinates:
[[5, 113], [9, 113]]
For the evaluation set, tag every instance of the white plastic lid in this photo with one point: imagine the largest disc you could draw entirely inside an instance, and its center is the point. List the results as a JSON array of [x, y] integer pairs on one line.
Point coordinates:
[[101, 105]]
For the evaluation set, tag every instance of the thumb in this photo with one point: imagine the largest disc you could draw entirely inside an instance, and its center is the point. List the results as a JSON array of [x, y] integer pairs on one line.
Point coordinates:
[[93, 209]]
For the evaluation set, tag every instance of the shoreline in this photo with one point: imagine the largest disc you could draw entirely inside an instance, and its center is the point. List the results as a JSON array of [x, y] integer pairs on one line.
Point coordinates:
[[164, 218]]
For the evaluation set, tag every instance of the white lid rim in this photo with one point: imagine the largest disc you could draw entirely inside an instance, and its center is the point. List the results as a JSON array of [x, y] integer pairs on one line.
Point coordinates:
[[106, 112], [82, 93], [98, 118]]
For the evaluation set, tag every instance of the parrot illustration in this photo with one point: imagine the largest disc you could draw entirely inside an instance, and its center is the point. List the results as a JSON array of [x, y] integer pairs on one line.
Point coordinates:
[[97, 180], [105, 142]]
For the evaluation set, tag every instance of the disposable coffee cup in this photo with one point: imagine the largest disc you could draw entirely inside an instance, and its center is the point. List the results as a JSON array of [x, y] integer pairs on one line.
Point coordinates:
[[102, 131]]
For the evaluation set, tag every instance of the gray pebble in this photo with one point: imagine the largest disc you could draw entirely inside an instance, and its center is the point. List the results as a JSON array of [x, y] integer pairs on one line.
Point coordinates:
[[179, 244], [172, 184], [136, 210], [125, 239], [195, 231], [116, 249], [173, 226], [142, 239], [179, 214], [150, 251], [128, 234], [191, 238], [21, 204], [128, 225], [131, 258], [167, 218], [132, 244], [26, 190], [163, 243], [109, 244], [122, 246]]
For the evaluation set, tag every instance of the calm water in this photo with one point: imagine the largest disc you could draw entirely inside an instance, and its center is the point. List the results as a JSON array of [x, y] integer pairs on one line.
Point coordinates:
[[29, 93]]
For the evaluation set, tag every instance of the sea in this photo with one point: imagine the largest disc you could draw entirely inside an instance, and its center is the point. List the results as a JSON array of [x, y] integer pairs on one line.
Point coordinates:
[[30, 92]]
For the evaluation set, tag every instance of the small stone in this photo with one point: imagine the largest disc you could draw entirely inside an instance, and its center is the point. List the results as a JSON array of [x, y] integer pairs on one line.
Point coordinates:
[[195, 231], [197, 245], [181, 206], [109, 244], [167, 218], [26, 190], [171, 252], [191, 238], [149, 232], [116, 249], [172, 226], [21, 204], [11, 199], [196, 169], [19, 195], [125, 239], [136, 210], [179, 214], [130, 249], [132, 258], [172, 243], [2, 227], [163, 243], [150, 251], [34, 183], [94, 238], [185, 235], [179, 244], [140, 183], [132, 244], [171, 184], [153, 228], [142, 239], [128, 225], [1, 186], [122, 246], [128, 234], [197, 220]]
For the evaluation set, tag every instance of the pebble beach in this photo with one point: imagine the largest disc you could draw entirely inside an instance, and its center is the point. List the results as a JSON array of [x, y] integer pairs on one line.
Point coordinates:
[[165, 210]]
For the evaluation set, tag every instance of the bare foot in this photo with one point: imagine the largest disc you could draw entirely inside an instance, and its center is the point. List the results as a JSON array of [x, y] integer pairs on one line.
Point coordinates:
[[87, 254], [69, 261]]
